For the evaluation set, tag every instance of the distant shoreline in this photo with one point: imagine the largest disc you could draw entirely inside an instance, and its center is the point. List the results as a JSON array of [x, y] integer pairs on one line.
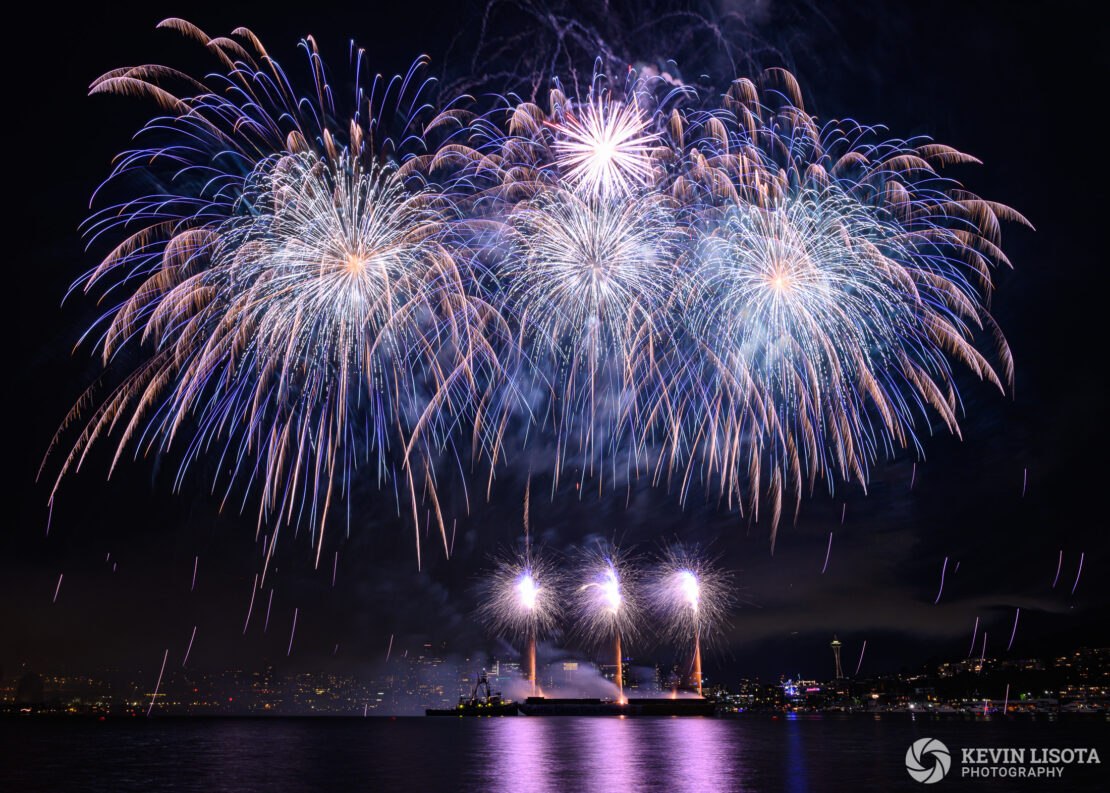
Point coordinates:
[[1070, 717]]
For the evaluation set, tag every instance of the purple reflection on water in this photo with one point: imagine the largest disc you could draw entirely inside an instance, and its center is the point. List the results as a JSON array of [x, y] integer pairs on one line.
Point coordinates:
[[520, 752], [705, 756], [758, 752], [612, 751], [646, 755]]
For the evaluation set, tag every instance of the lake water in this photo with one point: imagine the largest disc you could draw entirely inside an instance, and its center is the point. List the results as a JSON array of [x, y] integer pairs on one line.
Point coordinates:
[[531, 755]]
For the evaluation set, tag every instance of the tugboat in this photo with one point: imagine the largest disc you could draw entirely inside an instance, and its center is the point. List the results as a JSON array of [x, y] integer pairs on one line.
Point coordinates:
[[481, 702]]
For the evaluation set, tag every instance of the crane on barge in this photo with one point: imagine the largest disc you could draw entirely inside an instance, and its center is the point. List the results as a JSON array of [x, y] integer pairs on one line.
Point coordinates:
[[483, 701]]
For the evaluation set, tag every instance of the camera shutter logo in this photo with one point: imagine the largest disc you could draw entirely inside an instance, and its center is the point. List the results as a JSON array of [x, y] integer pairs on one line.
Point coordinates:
[[928, 760]]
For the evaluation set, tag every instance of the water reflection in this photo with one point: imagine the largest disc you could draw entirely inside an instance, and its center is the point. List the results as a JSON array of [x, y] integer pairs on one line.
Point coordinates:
[[522, 756], [703, 755], [552, 755], [797, 780], [539, 755], [609, 755]]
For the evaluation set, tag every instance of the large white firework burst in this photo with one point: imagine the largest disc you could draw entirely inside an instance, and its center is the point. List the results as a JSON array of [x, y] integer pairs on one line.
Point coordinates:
[[603, 147], [336, 264], [523, 598], [827, 332], [689, 595], [592, 274], [299, 303], [607, 602]]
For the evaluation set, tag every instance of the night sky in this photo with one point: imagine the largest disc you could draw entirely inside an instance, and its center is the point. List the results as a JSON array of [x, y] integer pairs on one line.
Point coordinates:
[[1018, 87]]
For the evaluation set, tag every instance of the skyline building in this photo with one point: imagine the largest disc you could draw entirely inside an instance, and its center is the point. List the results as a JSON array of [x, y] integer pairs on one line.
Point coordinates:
[[835, 644]]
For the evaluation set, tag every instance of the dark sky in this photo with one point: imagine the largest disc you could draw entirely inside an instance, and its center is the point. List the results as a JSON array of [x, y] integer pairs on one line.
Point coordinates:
[[1016, 86]]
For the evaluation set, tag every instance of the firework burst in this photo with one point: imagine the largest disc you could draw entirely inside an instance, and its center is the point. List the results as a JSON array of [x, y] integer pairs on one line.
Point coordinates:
[[522, 598], [735, 297], [603, 148], [606, 596], [293, 302], [838, 279], [591, 275], [607, 605], [689, 595]]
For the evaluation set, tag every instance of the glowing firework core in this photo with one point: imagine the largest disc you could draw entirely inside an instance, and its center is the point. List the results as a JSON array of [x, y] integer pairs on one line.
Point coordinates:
[[355, 264], [611, 586], [605, 148], [526, 586], [781, 282], [688, 583]]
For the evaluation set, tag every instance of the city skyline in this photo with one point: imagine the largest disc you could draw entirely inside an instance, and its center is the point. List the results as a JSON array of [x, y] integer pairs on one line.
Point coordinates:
[[1077, 681]]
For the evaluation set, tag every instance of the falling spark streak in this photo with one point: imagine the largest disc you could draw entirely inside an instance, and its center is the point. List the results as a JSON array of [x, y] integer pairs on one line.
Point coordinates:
[[1059, 566], [861, 652], [1006, 701], [292, 631], [389, 649], [1078, 573], [1024, 481], [527, 498], [913, 475], [843, 513], [1013, 633], [942, 571], [974, 633], [57, 588], [334, 569], [159, 683], [983, 657], [189, 649], [196, 561], [828, 551], [250, 608], [266, 626]]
